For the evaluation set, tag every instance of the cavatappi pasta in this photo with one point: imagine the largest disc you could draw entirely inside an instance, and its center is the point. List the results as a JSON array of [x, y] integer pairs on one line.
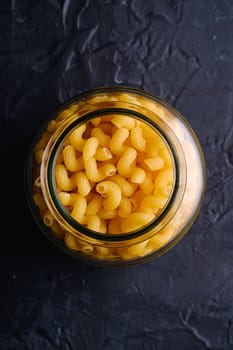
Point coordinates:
[[99, 177], [114, 174]]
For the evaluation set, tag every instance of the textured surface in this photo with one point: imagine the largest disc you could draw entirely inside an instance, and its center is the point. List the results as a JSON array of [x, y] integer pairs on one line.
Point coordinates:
[[179, 50]]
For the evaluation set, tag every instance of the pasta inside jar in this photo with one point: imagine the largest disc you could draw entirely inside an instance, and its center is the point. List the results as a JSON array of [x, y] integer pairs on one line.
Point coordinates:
[[114, 174], [109, 177]]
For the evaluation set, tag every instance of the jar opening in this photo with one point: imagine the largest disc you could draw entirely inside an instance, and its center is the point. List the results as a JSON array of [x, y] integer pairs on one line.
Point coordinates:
[[112, 174]]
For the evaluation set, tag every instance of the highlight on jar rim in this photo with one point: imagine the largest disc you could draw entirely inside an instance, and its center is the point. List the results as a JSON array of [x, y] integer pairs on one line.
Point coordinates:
[[115, 177]]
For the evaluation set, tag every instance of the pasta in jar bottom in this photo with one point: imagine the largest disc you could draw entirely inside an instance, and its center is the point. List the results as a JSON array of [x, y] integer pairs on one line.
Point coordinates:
[[115, 177]]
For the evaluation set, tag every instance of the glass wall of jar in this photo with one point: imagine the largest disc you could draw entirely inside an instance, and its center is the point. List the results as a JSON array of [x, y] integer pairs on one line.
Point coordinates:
[[115, 177]]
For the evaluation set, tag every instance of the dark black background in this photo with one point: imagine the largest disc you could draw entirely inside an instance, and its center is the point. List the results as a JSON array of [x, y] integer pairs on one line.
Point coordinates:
[[180, 50]]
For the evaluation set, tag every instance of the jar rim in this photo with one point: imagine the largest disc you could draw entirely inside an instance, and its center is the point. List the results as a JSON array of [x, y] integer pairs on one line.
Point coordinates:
[[75, 224]]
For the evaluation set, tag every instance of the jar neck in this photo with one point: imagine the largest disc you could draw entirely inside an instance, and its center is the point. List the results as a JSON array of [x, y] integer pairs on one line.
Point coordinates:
[[48, 177]]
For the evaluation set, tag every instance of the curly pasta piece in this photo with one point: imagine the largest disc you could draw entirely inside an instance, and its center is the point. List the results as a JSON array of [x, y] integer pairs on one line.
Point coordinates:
[[102, 154], [70, 241], [126, 163], [83, 184], [96, 174], [154, 164], [122, 121], [79, 209], [64, 182], [137, 249], [137, 139], [71, 161], [164, 182], [127, 188], [76, 137], [67, 198], [117, 140], [112, 192], [152, 203], [90, 147], [48, 218], [138, 175], [136, 220], [125, 207], [93, 222], [94, 205], [101, 136]]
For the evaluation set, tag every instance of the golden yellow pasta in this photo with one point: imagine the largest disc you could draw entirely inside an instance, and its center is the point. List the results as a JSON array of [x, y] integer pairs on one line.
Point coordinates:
[[70, 241], [114, 175], [83, 184], [94, 205], [150, 105], [93, 222], [112, 192], [152, 203], [126, 163], [103, 226], [67, 198], [79, 209], [152, 150], [37, 182], [101, 136], [48, 218], [71, 161], [86, 248], [138, 175], [154, 164], [125, 207], [102, 154], [95, 121], [40, 203], [137, 139], [90, 147], [164, 154], [103, 251], [136, 220], [129, 98], [147, 186], [76, 137], [116, 143], [107, 214], [96, 174], [137, 249], [161, 238], [52, 126], [127, 188], [103, 98], [57, 230], [122, 121], [136, 199], [164, 182], [64, 181], [114, 225]]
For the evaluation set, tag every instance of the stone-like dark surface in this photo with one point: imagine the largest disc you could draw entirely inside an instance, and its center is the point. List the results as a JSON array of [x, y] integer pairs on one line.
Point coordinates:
[[181, 50]]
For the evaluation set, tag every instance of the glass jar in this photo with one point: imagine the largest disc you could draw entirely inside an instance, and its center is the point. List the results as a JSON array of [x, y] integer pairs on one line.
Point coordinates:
[[115, 177]]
